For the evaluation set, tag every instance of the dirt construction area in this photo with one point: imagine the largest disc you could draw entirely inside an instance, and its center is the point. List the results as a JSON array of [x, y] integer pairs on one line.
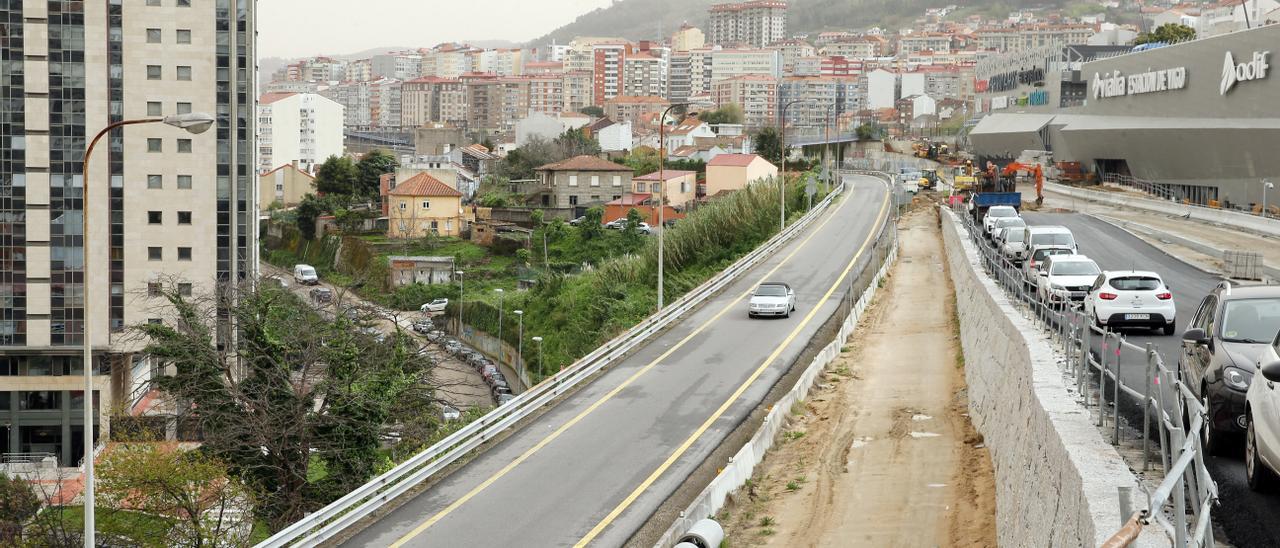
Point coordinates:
[[882, 453]]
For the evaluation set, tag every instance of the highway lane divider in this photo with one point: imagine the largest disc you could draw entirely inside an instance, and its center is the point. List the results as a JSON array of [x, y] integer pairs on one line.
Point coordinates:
[[1195, 245], [370, 498], [741, 466], [1242, 221]]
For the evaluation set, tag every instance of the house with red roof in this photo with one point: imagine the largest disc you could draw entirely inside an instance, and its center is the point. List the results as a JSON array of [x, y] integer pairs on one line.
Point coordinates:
[[423, 205], [729, 172]]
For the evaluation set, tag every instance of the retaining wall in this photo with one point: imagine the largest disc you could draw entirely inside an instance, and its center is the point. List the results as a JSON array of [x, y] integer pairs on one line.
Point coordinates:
[[1057, 481], [1242, 221]]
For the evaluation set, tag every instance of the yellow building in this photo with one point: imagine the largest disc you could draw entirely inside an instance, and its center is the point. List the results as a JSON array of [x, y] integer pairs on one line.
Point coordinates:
[[681, 186], [423, 205], [728, 172], [286, 184]]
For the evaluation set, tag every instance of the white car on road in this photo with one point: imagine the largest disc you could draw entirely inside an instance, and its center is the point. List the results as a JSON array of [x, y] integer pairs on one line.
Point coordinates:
[[994, 214], [438, 305], [1055, 236], [997, 229], [1066, 278], [772, 299], [1262, 430], [1131, 298], [1013, 243]]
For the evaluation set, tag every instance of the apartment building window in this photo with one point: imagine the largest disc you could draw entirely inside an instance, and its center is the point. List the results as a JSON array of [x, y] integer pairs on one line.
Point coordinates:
[[617, 180], [155, 289], [595, 180], [573, 180], [426, 204], [155, 181], [154, 108], [184, 72], [184, 254], [184, 181], [184, 289], [155, 217], [155, 254], [184, 145], [153, 72], [573, 200], [184, 3], [184, 217], [153, 2], [153, 36], [184, 36], [153, 145], [183, 108]]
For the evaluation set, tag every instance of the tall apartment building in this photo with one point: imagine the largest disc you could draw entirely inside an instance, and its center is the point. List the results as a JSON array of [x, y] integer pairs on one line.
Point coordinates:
[[305, 128], [924, 41], [728, 63], [687, 38], [646, 73], [756, 94], [369, 105], [821, 97], [546, 93], [607, 68], [1031, 36], [701, 62], [579, 90], [757, 23], [399, 66], [165, 204]]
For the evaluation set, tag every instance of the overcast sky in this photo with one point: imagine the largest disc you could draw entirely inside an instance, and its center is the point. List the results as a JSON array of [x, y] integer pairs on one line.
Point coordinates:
[[298, 28]]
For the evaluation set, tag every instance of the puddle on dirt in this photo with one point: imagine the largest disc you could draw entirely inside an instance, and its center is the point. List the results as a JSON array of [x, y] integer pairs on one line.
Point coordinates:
[[924, 435], [861, 442], [919, 418]]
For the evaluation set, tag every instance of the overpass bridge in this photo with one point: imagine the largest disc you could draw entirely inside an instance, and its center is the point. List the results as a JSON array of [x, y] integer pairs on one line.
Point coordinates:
[[593, 464]]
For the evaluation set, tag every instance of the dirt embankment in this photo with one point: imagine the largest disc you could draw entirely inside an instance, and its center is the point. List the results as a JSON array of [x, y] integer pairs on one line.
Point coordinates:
[[883, 453]]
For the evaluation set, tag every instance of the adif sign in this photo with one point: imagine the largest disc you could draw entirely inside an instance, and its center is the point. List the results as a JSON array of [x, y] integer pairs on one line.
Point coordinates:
[[1232, 73]]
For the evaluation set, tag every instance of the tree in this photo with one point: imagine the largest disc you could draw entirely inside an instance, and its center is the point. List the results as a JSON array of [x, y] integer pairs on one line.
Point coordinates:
[[18, 503], [486, 141], [768, 143], [642, 161], [631, 228], [1168, 33], [369, 169], [208, 505], [575, 142], [591, 227], [592, 110], [337, 175], [308, 210], [865, 132], [352, 221], [298, 394], [521, 162], [727, 114]]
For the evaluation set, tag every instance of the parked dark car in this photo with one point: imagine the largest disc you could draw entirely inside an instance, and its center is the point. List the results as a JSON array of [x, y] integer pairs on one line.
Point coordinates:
[[1220, 348], [321, 295]]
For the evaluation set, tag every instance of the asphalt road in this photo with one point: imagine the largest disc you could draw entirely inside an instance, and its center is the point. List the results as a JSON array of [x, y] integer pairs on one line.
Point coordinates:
[[556, 480], [1246, 518]]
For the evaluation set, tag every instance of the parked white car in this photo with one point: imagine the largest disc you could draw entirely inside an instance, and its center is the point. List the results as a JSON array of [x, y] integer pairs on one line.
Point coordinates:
[[1262, 429], [1034, 262], [1053, 236], [994, 214], [438, 305], [772, 299], [997, 231], [1131, 298], [1067, 278]]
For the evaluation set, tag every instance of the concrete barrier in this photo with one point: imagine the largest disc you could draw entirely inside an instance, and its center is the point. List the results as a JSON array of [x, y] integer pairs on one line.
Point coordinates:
[[1057, 481], [1242, 221]]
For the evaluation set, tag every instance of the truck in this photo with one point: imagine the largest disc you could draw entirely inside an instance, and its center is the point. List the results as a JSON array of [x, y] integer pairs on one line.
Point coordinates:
[[980, 202]]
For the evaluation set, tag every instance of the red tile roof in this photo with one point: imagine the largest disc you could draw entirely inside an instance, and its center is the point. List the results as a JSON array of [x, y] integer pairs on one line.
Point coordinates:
[[732, 160], [284, 166], [584, 163], [268, 98], [667, 174], [424, 185]]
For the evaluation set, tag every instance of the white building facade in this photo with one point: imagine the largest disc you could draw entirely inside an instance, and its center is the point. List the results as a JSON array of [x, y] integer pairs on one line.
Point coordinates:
[[298, 127]]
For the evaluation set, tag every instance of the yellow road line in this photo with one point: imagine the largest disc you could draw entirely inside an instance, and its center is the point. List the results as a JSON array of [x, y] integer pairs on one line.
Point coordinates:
[[644, 485], [555, 434]]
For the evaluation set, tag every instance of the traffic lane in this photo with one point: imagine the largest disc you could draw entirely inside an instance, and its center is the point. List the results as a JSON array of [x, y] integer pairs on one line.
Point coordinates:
[[643, 422], [1245, 517]]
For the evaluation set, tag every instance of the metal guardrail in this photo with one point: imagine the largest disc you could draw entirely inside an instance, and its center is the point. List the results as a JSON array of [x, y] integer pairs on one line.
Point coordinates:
[[1179, 423], [335, 517]]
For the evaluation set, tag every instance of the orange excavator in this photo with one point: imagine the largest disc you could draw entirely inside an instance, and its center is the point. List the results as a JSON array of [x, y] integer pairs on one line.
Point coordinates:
[[1011, 171]]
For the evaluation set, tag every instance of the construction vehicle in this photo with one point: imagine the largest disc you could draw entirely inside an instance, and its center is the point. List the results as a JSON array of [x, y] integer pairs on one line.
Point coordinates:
[[928, 150], [1009, 174], [963, 178], [928, 178]]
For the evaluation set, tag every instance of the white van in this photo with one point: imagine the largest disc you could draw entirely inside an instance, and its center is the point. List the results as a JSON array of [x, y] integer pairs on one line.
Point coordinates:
[[1050, 236], [305, 274]]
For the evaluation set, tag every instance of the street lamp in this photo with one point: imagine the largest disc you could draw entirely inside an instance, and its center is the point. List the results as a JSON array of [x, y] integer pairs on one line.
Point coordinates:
[[459, 273], [782, 188], [539, 341], [520, 343], [1266, 185], [193, 122], [499, 292], [662, 189]]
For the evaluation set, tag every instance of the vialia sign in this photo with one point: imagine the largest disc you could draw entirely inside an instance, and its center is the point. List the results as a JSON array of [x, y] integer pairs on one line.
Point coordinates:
[[1232, 73]]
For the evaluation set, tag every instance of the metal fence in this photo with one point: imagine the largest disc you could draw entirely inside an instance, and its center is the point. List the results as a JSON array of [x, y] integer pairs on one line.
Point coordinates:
[[1172, 417], [368, 499]]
